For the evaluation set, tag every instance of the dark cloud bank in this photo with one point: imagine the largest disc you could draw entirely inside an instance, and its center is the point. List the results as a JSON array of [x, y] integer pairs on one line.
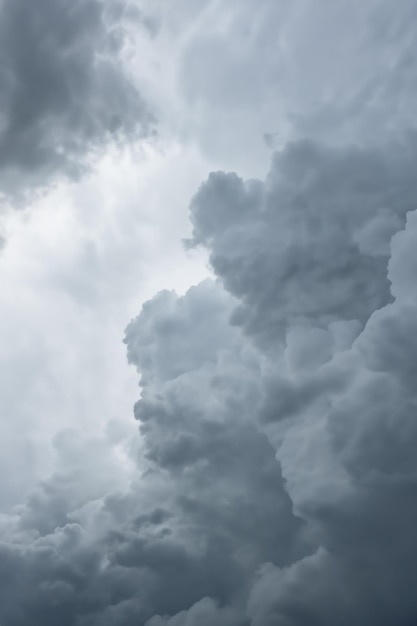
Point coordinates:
[[63, 93], [277, 481], [278, 478]]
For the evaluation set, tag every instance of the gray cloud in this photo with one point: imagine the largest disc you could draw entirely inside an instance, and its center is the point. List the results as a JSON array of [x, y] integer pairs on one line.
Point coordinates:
[[329, 300], [276, 472], [210, 508], [311, 244], [252, 76], [64, 93], [277, 480]]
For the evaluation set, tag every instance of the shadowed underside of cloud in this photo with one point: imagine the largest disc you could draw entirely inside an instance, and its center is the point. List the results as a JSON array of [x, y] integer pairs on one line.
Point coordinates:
[[63, 91], [277, 480]]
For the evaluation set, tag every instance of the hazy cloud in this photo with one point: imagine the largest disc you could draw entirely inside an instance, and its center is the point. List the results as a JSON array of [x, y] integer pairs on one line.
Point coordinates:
[[339, 72], [224, 507]]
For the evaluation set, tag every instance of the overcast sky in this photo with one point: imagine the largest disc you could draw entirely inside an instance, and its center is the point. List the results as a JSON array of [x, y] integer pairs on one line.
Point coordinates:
[[208, 315]]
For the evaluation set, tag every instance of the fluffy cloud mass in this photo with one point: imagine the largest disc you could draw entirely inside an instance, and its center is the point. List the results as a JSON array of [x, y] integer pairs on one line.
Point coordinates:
[[273, 479], [63, 95], [278, 466]]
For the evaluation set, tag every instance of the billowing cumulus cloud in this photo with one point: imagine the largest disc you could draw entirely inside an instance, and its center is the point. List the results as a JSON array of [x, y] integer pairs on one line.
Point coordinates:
[[273, 481], [347, 399], [63, 91], [310, 244], [209, 508], [276, 481]]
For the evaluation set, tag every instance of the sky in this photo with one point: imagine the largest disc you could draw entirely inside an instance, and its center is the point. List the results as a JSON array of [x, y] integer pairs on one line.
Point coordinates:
[[208, 316]]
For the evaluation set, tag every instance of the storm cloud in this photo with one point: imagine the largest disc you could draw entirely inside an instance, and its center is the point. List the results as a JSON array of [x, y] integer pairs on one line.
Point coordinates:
[[209, 508], [277, 480], [339, 321], [63, 91], [274, 476]]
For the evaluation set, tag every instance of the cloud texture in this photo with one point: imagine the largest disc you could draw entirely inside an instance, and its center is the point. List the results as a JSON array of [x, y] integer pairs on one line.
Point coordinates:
[[63, 93], [275, 477], [297, 363]]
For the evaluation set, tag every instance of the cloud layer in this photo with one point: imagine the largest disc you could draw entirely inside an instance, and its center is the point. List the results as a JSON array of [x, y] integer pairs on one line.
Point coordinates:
[[274, 478]]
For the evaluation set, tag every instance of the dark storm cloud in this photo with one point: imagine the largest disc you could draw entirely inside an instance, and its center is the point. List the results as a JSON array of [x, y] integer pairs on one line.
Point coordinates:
[[363, 398], [311, 244], [63, 90], [209, 510], [277, 475]]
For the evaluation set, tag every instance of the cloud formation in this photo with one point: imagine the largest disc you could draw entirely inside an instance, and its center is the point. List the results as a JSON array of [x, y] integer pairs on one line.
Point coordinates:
[[327, 296], [274, 479], [277, 466], [244, 74], [63, 90], [311, 243]]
